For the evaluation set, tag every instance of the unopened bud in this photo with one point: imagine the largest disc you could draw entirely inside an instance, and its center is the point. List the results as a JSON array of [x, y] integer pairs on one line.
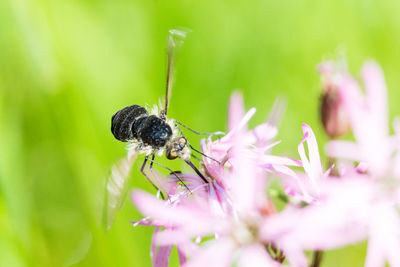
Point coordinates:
[[333, 115]]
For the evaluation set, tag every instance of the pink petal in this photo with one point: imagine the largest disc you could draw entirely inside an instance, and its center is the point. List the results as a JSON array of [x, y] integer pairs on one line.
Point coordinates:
[[216, 253], [375, 86], [396, 142], [312, 164], [282, 169], [158, 209], [145, 222], [161, 256], [344, 150], [261, 134], [340, 218], [326, 67], [278, 160], [218, 199], [153, 246], [175, 236], [368, 117], [271, 145], [384, 241], [182, 255], [296, 186], [277, 111], [255, 256], [194, 217], [353, 101], [240, 126], [246, 184], [179, 238], [236, 110], [295, 255]]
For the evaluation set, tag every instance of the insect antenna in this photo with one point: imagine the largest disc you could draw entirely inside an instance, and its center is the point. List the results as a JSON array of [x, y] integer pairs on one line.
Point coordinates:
[[193, 156], [198, 133], [194, 149]]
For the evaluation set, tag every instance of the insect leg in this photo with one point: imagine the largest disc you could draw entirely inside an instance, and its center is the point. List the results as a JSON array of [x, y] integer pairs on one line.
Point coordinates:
[[148, 179], [196, 170], [151, 170], [172, 172]]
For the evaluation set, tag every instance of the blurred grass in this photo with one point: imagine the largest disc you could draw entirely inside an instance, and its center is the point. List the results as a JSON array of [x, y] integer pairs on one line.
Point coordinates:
[[67, 66]]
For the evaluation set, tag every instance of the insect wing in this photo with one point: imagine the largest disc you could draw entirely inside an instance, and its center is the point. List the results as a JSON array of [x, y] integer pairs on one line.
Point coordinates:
[[116, 188], [175, 40]]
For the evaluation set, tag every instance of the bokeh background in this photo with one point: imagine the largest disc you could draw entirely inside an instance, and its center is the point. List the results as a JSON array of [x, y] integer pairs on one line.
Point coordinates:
[[66, 66]]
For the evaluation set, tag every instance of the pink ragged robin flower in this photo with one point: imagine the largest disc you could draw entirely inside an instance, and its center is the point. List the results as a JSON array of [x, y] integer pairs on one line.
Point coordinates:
[[230, 207], [369, 121], [304, 187], [236, 232], [256, 144], [380, 153], [357, 205]]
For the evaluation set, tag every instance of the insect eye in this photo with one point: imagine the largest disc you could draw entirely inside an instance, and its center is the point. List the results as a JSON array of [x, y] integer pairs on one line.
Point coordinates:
[[172, 154]]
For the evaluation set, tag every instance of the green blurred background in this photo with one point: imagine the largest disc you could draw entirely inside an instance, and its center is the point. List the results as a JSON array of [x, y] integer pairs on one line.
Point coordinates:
[[66, 66]]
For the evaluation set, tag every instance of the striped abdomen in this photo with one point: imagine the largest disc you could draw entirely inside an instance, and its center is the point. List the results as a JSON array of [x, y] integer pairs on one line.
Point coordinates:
[[133, 122], [123, 121]]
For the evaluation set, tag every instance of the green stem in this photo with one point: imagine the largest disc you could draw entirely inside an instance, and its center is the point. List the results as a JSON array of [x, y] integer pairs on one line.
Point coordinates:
[[317, 258]]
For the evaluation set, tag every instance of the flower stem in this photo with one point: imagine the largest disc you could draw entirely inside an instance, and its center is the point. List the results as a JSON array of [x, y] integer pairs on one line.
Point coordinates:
[[275, 253], [317, 258]]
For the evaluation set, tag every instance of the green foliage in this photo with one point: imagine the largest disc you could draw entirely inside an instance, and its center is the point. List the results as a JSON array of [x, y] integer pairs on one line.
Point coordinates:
[[66, 66]]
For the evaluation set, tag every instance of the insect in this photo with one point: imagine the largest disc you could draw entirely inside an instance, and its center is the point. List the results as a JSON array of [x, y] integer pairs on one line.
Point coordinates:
[[151, 133]]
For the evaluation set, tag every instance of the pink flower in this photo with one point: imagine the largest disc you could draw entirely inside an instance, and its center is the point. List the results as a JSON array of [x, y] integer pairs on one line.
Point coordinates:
[[239, 221], [236, 232], [350, 210], [374, 146], [357, 205], [256, 144], [369, 121], [339, 218], [305, 187], [231, 207]]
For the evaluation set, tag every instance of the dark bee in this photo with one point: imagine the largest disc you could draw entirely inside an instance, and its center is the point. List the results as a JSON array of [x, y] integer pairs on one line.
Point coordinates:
[[149, 134], [152, 132], [134, 122]]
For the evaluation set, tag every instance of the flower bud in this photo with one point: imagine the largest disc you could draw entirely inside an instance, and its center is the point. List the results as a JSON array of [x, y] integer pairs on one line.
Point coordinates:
[[333, 115]]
